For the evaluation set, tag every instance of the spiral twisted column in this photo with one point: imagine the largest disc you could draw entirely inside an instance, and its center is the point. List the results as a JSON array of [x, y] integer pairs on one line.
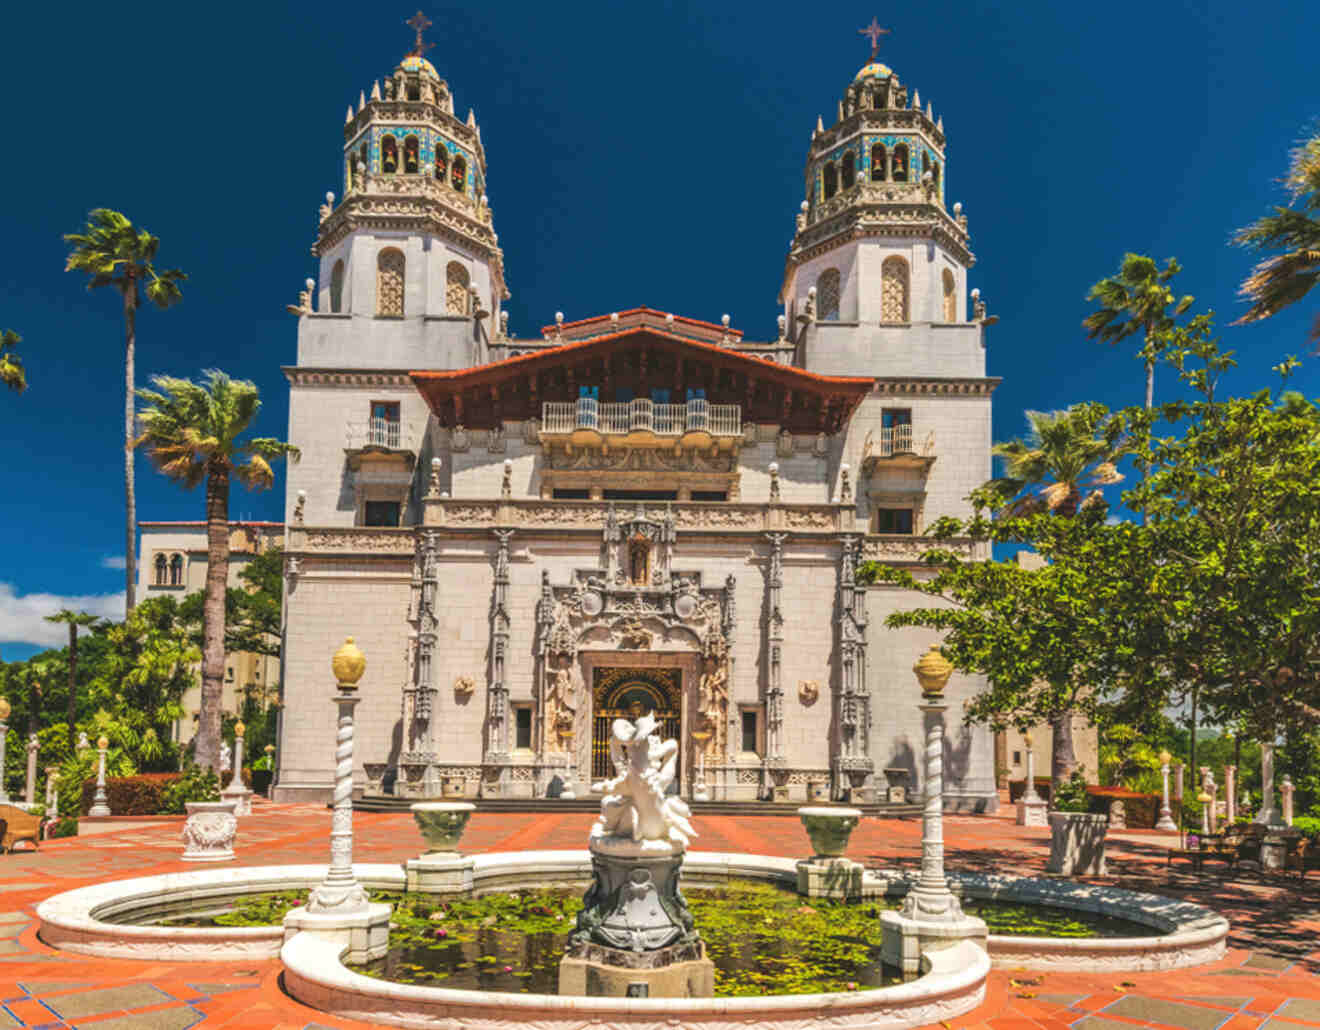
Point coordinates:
[[931, 897]]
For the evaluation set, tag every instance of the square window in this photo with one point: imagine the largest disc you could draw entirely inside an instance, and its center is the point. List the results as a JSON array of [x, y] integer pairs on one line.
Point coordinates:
[[893, 520], [749, 721], [380, 513], [710, 495], [387, 411], [891, 417], [1017, 757], [522, 722]]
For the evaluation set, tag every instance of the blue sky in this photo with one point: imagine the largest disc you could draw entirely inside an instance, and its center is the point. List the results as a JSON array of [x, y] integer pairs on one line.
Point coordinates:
[[638, 154]]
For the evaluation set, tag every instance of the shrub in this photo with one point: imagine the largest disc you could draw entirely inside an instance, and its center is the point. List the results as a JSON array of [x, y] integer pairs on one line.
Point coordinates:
[[130, 795], [65, 827], [193, 784], [1308, 826], [1072, 796]]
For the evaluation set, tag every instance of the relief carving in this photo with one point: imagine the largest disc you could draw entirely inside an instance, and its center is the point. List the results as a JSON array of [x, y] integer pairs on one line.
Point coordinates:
[[808, 692], [464, 686]]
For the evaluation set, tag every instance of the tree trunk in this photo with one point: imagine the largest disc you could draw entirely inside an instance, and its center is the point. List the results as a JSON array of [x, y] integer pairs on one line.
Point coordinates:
[[1063, 760], [1150, 385], [1192, 749], [207, 752], [73, 685], [130, 499]]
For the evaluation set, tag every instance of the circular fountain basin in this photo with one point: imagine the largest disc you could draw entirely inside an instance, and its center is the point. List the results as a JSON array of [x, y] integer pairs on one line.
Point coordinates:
[[952, 980]]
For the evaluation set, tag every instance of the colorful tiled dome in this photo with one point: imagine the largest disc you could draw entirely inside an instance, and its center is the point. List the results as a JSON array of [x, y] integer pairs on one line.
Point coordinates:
[[874, 70], [414, 63]]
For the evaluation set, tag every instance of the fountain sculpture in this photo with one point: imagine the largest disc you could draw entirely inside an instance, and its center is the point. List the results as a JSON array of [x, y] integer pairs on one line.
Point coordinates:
[[635, 936]]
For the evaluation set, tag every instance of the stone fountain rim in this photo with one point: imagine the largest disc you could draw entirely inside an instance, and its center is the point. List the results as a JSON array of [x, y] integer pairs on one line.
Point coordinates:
[[442, 806], [815, 811]]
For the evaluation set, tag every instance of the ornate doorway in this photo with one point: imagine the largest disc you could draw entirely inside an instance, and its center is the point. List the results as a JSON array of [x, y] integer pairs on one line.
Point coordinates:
[[628, 694]]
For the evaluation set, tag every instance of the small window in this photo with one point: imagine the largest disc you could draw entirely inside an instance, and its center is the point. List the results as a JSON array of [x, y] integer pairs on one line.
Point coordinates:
[[894, 520], [458, 178], [522, 727], [1017, 757], [641, 495], [389, 155], [414, 91], [411, 155], [710, 495], [890, 417], [749, 730], [162, 570], [562, 494], [380, 513], [848, 171], [441, 161], [229, 674], [337, 288], [878, 163], [830, 181], [899, 170], [390, 271], [659, 396], [176, 571]]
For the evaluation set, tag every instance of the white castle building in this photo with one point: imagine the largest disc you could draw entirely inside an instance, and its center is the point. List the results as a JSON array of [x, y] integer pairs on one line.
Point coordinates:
[[632, 512]]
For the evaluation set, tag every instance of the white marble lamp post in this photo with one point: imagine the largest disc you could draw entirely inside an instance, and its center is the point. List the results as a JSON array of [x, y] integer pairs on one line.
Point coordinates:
[[1230, 794], [100, 803], [1031, 808], [1286, 789], [1166, 812], [338, 905], [931, 915], [236, 792], [30, 784], [1269, 814], [52, 792], [4, 733]]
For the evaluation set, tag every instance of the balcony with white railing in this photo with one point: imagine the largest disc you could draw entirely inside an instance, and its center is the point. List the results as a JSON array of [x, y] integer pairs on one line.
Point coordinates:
[[898, 447], [640, 420], [374, 432]]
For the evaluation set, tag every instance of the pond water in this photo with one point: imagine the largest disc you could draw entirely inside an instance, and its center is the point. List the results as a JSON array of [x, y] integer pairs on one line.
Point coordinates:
[[762, 939]]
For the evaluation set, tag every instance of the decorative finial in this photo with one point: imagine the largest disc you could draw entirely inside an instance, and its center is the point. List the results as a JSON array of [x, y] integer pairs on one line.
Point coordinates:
[[419, 23], [724, 321], [103, 742], [239, 729], [875, 32], [310, 283], [933, 671], [4, 709], [957, 207], [348, 664]]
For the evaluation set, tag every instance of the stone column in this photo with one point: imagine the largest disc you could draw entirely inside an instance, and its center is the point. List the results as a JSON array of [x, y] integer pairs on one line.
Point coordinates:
[[1212, 789], [1166, 813], [1286, 791], [236, 791], [1031, 809], [852, 765], [774, 691], [30, 786], [497, 716], [1269, 814], [52, 792], [1179, 789], [1230, 794], [4, 734], [931, 913], [339, 904], [1206, 801], [100, 803]]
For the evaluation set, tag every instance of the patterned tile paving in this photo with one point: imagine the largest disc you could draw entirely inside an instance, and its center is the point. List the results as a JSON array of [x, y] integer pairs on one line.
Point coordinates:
[[1268, 978]]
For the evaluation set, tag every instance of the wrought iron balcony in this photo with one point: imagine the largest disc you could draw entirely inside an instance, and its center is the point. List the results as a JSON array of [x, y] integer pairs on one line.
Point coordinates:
[[642, 416], [374, 432], [897, 446]]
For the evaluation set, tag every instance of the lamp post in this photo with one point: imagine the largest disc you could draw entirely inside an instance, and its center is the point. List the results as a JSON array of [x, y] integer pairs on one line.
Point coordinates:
[[4, 733], [1166, 812], [1206, 800], [100, 803], [236, 792], [338, 904], [1031, 807], [931, 913]]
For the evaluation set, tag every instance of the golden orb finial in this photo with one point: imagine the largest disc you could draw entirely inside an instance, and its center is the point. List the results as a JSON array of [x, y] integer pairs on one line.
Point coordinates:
[[1165, 758], [933, 671], [103, 742], [348, 663], [239, 729]]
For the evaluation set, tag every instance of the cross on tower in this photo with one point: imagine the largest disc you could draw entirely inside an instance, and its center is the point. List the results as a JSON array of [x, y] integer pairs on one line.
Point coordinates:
[[419, 23], [873, 30]]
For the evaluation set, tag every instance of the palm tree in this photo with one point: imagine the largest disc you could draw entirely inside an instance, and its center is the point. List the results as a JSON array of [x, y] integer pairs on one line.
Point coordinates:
[[1286, 278], [114, 253], [1136, 301], [1060, 467], [73, 620], [1066, 457], [191, 432], [11, 365]]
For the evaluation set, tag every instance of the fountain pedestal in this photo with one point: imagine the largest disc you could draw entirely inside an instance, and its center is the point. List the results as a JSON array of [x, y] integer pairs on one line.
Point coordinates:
[[635, 936], [441, 869]]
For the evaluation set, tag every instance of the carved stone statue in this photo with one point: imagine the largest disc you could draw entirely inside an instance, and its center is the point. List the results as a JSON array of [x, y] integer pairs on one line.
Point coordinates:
[[636, 806], [808, 692], [226, 757], [713, 703], [560, 708]]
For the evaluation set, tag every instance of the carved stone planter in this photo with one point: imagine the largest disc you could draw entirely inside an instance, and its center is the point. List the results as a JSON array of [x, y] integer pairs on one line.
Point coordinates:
[[442, 823], [829, 828], [441, 869], [1077, 844], [208, 835]]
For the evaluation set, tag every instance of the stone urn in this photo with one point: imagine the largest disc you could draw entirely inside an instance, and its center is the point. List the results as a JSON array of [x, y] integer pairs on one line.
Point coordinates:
[[208, 834], [829, 828], [442, 823], [1077, 843]]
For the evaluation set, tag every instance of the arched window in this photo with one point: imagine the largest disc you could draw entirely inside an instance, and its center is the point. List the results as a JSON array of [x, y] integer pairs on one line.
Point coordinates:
[[899, 168], [935, 174], [878, 163], [925, 163], [827, 296], [849, 170], [411, 155], [894, 290], [458, 177], [161, 572], [176, 571], [441, 161], [830, 179], [389, 283], [360, 167], [879, 102], [457, 294], [950, 297], [389, 156], [337, 288], [414, 91]]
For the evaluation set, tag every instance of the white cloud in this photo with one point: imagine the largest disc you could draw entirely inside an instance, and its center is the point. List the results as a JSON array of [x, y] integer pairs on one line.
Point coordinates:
[[114, 561], [23, 616]]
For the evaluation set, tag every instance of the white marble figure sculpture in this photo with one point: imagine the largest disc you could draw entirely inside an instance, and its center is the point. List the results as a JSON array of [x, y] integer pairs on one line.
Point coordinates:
[[226, 757], [636, 806]]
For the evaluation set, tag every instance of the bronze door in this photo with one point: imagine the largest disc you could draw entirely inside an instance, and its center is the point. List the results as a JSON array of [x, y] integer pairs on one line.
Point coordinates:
[[630, 694]]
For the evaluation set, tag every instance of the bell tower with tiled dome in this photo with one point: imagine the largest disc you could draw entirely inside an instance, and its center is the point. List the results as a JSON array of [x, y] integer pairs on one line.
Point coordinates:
[[877, 271], [411, 272]]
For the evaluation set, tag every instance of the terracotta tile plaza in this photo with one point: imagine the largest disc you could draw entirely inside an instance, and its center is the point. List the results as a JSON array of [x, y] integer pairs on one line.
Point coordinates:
[[1267, 977]]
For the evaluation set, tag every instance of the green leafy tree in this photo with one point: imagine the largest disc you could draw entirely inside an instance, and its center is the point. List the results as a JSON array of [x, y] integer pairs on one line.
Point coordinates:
[[113, 252], [73, 620], [11, 365], [1286, 278], [192, 433], [1137, 300]]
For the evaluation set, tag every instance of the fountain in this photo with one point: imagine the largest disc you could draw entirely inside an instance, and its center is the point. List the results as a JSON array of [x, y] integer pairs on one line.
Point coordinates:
[[635, 936]]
